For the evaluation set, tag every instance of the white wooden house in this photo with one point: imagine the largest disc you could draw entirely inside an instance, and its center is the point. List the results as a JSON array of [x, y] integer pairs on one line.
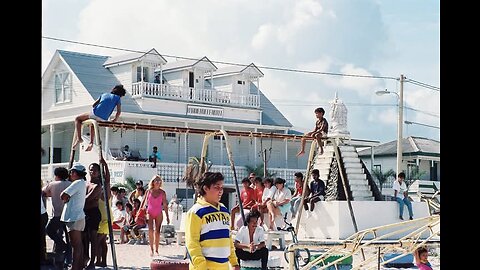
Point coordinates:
[[191, 93], [420, 159]]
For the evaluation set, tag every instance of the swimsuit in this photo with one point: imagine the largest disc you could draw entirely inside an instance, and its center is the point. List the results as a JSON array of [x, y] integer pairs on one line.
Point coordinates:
[[155, 206]]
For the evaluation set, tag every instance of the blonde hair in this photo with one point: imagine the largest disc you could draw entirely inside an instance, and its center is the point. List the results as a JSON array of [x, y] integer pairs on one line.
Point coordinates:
[[155, 177]]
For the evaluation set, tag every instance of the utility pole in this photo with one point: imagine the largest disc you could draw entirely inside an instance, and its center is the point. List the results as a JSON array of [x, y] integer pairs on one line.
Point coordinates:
[[400, 126]]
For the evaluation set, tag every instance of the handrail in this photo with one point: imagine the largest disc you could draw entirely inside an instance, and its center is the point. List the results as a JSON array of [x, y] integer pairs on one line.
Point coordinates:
[[376, 192]]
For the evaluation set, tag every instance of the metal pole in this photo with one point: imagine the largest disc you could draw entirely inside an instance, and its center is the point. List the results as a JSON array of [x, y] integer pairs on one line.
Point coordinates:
[[232, 166], [310, 164], [98, 142], [400, 126]]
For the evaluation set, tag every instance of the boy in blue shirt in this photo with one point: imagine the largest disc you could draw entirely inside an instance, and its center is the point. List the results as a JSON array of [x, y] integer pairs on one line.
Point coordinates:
[[154, 156], [102, 109]]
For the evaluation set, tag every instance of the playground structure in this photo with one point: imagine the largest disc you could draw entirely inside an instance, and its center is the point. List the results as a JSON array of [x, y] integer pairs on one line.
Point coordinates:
[[410, 234]]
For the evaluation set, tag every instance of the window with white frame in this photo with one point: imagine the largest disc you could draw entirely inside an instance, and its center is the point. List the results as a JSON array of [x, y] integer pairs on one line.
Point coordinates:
[[63, 87]]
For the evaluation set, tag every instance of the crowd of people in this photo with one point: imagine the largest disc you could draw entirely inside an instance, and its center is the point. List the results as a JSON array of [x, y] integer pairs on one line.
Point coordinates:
[[79, 225]]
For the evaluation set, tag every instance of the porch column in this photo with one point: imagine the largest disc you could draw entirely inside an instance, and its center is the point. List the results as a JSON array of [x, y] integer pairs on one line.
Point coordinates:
[[52, 129], [211, 79], [141, 71], [161, 74], [148, 138], [106, 146], [286, 156], [255, 149], [221, 147], [186, 145]]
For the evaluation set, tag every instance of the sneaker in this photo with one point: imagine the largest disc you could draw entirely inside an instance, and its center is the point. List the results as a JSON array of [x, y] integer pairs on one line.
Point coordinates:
[[400, 217], [411, 218]]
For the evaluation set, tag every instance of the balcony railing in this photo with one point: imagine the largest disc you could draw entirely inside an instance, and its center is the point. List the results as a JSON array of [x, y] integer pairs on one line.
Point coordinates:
[[156, 90]]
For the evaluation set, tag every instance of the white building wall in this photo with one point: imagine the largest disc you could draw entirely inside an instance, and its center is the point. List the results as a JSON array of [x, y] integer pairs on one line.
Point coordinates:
[[124, 74], [239, 88]]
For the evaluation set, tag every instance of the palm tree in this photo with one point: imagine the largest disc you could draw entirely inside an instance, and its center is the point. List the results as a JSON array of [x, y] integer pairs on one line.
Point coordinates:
[[415, 174], [382, 177], [193, 172]]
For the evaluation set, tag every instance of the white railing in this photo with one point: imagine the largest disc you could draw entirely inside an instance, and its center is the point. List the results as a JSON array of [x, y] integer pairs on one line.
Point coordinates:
[[47, 170], [170, 172], [156, 90]]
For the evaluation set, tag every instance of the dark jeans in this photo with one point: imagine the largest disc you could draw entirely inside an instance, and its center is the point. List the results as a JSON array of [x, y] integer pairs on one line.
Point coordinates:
[[43, 243], [55, 230], [260, 254], [312, 200]]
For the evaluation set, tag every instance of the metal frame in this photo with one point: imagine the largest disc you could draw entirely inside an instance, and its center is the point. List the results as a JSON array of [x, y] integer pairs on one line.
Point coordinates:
[[98, 143], [356, 242]]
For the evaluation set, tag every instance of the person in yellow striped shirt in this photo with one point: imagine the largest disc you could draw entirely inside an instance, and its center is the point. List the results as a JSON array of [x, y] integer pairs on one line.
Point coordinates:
[[207, 228]]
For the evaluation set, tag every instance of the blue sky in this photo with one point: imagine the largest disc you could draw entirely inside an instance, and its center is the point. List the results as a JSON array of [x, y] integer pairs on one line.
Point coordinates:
[[367, 37]]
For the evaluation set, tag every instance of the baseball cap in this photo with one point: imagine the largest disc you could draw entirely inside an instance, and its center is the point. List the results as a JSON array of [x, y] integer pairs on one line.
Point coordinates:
[[139, 182], [78, 167]]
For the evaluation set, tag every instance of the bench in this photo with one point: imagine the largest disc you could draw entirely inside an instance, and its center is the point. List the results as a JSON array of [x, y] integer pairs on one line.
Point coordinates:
[[280, 235], [166, 233]]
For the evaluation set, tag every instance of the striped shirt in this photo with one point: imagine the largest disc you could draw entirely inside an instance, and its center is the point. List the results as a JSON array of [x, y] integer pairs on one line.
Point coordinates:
[[207, 236]]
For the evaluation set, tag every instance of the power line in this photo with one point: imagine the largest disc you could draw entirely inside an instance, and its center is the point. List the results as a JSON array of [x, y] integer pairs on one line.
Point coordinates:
[[425, 85], [229, 63], [420, 124]]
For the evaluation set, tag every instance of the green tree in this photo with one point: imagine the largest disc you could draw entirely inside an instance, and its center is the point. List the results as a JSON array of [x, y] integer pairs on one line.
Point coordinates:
[[258, 170], [129, 184], [383, 177], [415, 174]]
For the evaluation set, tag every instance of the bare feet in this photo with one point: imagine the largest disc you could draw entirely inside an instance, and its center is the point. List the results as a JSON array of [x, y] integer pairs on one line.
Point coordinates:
[[89, 147], [79, 141], [156, 253], [151, 253], [301, 153]]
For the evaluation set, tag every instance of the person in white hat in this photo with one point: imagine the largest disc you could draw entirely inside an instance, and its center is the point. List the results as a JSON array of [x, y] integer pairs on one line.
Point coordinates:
[[73, 216]]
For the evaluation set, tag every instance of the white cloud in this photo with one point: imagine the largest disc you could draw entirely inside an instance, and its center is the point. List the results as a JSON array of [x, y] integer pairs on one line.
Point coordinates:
[[330, 36], [266, 33]]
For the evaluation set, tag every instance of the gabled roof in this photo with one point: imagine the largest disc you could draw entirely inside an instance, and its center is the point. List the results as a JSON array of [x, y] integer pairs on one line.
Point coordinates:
[[95, 78], [252, 68], [132, 57], [270, 114], [186, 63], [410, 145]]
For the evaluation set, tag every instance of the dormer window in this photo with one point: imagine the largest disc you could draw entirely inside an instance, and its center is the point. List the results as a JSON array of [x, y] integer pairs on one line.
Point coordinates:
[[241, 82], [63, 87], [145, 74]]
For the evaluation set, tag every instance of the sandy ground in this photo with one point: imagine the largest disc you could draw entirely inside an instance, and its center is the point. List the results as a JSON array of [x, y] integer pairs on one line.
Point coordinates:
[[137, 257]]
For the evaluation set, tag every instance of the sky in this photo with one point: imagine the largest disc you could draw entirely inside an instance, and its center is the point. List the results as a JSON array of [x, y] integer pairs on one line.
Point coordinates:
[[384, 38]]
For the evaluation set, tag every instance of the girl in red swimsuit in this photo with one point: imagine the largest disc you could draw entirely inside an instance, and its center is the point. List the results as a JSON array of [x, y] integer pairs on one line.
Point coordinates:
[[155, 200]]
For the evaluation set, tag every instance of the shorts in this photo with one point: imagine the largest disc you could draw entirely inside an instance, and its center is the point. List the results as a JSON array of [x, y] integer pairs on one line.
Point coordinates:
[[91, 115], [92, 218], [103, 227], [78, 225]]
